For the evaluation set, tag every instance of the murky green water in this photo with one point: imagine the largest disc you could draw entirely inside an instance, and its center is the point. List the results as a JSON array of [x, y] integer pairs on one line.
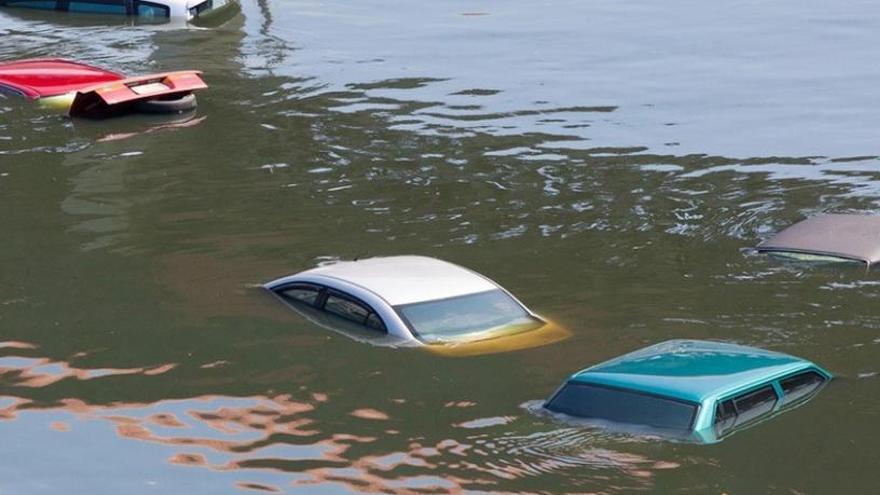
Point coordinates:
[[610, 163]]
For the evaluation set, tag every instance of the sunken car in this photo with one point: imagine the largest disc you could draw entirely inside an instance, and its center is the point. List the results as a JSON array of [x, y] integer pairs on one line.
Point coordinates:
[[689, 390], [407, 301], [147, 9], [828, 238], [87, 91]]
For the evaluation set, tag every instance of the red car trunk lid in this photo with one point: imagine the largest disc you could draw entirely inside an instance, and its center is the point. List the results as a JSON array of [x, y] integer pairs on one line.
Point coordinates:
[[100, 99], [38, 78]]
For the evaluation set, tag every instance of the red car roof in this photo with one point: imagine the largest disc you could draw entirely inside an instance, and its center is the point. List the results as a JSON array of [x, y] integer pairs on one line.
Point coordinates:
[[37, 78]]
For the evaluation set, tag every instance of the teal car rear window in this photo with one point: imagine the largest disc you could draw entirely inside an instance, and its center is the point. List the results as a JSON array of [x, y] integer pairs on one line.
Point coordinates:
[[623, 406]]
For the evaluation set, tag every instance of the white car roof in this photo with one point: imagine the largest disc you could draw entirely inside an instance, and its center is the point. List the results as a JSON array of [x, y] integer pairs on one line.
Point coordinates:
[[406, 279]]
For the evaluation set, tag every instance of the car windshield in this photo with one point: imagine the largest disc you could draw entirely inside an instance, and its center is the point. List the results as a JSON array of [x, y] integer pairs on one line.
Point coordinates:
[[622, 406], [452, 319]]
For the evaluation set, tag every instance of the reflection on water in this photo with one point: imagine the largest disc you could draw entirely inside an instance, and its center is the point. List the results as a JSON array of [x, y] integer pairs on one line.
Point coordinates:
[[612, 164], [297, 439]]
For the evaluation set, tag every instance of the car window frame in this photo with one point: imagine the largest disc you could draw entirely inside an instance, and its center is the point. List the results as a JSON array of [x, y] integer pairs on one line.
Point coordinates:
[[731, 398], [203, 7], [781, 404], [729, 422], [328, 291], [346, 297], [321, 299], [800, 400], [776, 402], [136, 4], [383, 328], [319, 289]]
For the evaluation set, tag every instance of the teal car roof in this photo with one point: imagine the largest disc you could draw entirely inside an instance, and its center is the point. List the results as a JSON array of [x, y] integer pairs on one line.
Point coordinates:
[[692, 370]]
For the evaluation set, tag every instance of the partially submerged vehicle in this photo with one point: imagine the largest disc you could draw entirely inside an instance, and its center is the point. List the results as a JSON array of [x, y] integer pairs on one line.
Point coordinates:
[[415, 301], [833, 238], [690, 389], [152, 9], [86, 91]]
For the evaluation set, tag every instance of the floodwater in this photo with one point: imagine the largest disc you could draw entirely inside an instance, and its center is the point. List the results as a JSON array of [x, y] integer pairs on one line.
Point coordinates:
[[609, 162]]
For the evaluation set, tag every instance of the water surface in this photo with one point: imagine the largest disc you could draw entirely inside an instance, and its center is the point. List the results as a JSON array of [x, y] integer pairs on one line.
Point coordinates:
[[608, 163]]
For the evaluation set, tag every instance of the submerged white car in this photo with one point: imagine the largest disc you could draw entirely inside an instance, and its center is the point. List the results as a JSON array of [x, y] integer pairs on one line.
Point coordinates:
[[409, 300], [155, 9]]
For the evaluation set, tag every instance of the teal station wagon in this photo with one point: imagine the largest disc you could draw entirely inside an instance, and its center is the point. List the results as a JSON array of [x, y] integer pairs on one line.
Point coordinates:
[[691, 389]]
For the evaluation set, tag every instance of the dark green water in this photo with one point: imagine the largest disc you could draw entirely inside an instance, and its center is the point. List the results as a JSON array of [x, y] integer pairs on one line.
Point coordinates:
[[609, 163]]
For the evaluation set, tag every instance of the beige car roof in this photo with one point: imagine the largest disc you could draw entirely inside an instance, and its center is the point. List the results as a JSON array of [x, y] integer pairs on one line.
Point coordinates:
[[850, 236]]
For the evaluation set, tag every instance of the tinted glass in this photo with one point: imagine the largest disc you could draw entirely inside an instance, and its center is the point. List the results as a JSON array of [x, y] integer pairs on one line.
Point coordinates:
[[800, 386], [201, 8], [146, 9], [373, 321], [588, 401], [437, 320], [10, 91], [33, 4], [754, 404], [301, 293], [97, 8], [346, 308], [725, 415]]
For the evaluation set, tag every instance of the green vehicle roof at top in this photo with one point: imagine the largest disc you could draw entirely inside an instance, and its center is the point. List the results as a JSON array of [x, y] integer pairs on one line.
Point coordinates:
[[690, 385]]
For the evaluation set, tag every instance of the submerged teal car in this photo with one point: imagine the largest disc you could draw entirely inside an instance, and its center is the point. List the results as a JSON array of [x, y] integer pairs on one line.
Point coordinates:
[[690, 389]]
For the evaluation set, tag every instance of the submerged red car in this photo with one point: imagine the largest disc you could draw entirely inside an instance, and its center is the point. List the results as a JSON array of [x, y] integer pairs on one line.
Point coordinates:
[[87, 91]]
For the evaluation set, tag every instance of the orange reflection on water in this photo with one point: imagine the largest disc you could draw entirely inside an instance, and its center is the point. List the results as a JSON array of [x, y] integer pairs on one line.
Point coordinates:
[[263, 417], [12, 409], [35, 372], [281, 435], [12, 344], [166, 420], [186, 121], [285, 435], [59, 426], [367, 413]]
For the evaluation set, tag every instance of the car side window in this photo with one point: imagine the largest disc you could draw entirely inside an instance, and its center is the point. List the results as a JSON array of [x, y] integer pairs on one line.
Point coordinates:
[[754, 404], [346, 308], [725, 415], [150, 9], [797, 387], [201, 8], [373, 321], [353, 310], [7, 90], [302, 293], [33, 4], [97, 7]]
